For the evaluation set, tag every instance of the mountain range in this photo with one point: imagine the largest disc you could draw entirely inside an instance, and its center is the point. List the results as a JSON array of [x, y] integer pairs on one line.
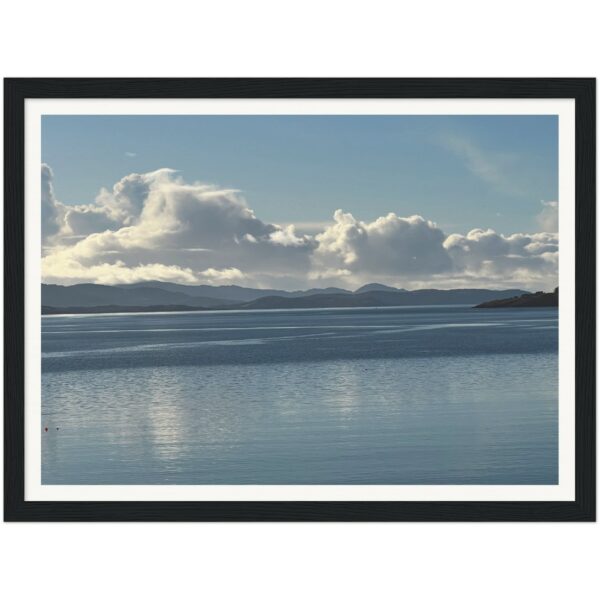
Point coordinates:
[[158, 295]]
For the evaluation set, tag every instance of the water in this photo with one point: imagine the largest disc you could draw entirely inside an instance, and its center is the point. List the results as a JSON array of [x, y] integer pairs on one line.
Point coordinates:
[[411, 395]]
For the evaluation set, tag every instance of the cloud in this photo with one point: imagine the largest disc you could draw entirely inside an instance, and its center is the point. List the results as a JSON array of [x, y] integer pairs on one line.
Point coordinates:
[[223, 276], [531, 259], [155, 225], [192, 230], [125, 202], [548, 217], [308, 227], [83, 220], [286, 236], [390, 245], [63, 224], [118, 273], [52, 211], [72, 271], [490, 167], [131, 154]]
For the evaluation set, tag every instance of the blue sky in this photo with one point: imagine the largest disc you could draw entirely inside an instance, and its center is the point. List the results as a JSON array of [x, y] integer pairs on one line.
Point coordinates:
[[462, 172]]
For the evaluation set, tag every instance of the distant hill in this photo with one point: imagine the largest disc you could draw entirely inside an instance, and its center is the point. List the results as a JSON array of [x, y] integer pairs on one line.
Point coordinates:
[[537, 300], [377, 287], [378, 298], [90, 294], [159, 296], [232, 293], [317, 291]]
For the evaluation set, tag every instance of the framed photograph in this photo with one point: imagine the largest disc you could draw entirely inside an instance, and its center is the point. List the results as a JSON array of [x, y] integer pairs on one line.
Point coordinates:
[[299, 299]]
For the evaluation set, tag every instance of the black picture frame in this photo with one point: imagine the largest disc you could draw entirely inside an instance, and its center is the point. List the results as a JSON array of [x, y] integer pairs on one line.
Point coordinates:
[[17, 90]]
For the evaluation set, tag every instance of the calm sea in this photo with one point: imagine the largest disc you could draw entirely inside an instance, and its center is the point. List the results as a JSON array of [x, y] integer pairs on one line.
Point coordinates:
[[411, 395]]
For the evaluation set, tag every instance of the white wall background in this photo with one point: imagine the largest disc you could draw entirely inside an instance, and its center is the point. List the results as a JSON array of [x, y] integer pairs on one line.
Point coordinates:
[[307, 38]]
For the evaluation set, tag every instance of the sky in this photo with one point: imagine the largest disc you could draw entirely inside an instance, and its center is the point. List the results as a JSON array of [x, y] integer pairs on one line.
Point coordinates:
[[301, 201]]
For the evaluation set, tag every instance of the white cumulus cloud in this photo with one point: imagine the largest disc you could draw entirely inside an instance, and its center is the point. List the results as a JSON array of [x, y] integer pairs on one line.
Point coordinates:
[[390, 245], [157, 219], [52, 211], [531, 259], [548, 217], [155, 225]]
